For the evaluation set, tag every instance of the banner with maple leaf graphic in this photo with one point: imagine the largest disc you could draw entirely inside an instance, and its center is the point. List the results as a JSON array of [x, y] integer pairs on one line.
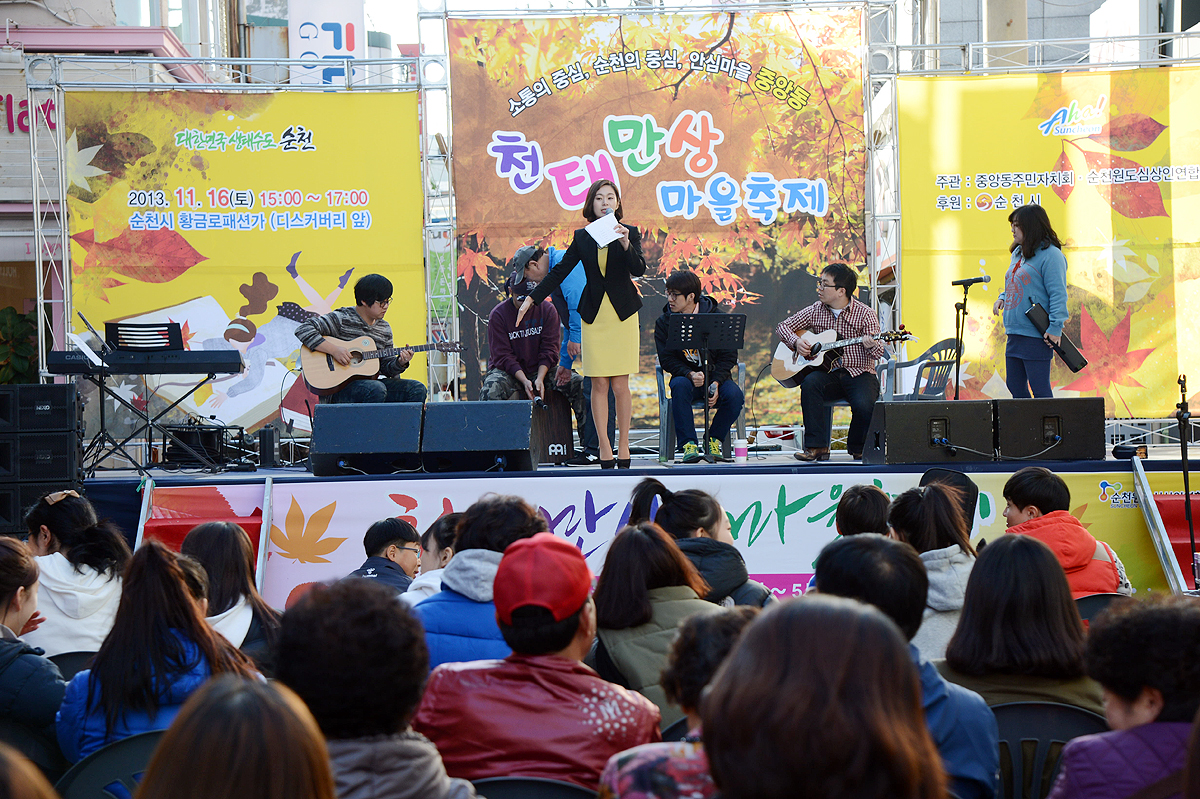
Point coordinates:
[[238, 216], [1114, 158], [736, 139]]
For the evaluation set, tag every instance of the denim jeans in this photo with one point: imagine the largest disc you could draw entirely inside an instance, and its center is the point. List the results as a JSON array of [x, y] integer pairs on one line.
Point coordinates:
[[821, 387], [389, 389], [1021, 375], [683, 393]]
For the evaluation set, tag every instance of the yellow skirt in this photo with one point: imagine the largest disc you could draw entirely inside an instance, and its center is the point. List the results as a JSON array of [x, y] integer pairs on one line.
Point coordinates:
[[610, 346]]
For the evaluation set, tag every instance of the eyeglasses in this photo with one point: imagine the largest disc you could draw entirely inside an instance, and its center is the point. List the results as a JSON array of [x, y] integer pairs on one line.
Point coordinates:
[[59, 496], [388, 301], [825, 285], [410, 549], [673, 295]]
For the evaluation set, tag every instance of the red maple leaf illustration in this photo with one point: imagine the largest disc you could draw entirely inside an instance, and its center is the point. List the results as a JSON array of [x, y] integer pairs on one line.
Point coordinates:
[[151, 256], [1110, 361], [1130, 200], [1063, 164]]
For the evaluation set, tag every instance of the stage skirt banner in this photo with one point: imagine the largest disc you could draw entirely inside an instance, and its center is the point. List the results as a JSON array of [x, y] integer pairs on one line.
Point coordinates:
[[736, 140], [1114, 158], [779, 522], [238, 216]]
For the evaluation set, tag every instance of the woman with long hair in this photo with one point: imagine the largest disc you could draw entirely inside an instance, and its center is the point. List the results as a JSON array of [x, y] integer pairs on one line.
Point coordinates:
[[235, 608], [820, 698], [437, 548], [1037, 272], [240, 739], [609, 309], [931, 519], [645, 591], [159, 651], [1020, 638], [80, 559], [700, 528]]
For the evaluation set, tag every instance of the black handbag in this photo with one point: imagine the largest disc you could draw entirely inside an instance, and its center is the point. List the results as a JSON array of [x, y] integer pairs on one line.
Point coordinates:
[[1066, 348]]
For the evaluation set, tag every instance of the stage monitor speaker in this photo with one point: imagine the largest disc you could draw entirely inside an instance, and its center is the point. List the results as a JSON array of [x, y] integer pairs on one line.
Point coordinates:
[[16, 497], [366, 437], [35, 408], [45, 457], [1057, 429], [929, 432], [478, 436]]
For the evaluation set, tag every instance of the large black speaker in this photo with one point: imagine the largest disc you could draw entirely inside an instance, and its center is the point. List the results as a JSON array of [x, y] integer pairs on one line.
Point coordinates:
[[15, 498], [918, 432], [478, 436], [44, 457], [366, 437], [1058, 429], [33, 408]]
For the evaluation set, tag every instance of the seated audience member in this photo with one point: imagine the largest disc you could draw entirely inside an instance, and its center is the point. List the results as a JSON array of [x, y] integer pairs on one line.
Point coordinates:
[[159, 651], [862, 509], [437, 547], [679, 769], [80, 560], [393, 554], [1037, 503], [31, 687], [647, 588], [1144, 656], [890, 575], [19, 779], [931, 520], [539, 712], [196, 580], [700, 528], [235, 608], [785, 718], [460, 620], [1020, 638], [357, 658], [240, 739]]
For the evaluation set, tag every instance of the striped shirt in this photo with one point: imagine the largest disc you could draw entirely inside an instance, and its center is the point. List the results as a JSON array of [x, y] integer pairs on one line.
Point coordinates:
[[853, 321]]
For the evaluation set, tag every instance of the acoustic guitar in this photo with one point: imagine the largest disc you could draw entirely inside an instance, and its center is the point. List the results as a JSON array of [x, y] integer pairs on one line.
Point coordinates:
[[790, 368], [326, 376]]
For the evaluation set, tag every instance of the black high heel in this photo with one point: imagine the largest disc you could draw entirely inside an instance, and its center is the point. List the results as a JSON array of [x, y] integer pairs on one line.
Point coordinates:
[[623, 463], [609, 464]]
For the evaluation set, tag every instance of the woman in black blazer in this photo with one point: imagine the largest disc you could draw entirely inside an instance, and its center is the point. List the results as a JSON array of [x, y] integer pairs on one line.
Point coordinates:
[[608, 307]]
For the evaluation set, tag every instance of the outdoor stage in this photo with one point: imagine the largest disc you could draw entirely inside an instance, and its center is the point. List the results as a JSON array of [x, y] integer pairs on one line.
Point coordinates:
[[781, 511]]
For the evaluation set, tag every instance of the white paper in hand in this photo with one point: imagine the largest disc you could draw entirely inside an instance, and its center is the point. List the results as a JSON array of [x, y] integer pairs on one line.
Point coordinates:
[[603, 230]]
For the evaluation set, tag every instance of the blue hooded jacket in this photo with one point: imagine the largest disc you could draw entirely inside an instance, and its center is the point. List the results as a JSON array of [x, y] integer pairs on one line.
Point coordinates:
[[460, 621]]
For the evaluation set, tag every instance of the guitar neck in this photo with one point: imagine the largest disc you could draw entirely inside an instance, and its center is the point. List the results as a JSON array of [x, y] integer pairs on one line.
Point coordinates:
[[392, 351]]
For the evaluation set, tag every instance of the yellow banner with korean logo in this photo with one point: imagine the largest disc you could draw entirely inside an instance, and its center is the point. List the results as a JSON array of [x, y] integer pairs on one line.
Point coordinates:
[[1114, 158], [238, 216]]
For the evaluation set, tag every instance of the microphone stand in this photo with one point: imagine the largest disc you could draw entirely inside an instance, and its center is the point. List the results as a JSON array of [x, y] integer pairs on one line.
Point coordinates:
[[1183, 417], [960, 324]]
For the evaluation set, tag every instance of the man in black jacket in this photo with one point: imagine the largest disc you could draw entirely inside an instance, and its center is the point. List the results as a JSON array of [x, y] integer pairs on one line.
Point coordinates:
[[687, 380]]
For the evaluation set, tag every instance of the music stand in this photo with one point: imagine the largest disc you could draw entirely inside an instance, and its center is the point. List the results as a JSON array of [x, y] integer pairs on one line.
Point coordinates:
[[705, 331]]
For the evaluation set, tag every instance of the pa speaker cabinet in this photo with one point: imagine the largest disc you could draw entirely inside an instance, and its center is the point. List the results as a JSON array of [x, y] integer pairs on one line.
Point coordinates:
[[44, 457], [929, 432], [15, 498], [370, 437], [36, 408], [478, 436], [1056, 429]]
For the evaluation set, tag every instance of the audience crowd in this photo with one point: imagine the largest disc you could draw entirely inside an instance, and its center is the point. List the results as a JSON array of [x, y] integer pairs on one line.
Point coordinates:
[[486, 648]]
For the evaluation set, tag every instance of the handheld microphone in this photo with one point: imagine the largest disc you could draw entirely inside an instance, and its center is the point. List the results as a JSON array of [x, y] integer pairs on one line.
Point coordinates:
[[607, 211], [971, 281]]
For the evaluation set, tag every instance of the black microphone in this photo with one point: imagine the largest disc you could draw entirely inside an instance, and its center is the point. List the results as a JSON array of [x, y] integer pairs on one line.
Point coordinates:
[[971, 281]]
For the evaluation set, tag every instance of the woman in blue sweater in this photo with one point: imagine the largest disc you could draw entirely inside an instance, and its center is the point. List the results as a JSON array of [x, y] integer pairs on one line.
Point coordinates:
[[1036, 273]]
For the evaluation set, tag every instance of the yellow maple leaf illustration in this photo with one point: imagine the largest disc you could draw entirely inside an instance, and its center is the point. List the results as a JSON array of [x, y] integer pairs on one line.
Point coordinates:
[[304, 542]]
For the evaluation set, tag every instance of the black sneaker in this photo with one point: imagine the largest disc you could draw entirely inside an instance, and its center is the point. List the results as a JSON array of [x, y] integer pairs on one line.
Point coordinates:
[[583, 459]]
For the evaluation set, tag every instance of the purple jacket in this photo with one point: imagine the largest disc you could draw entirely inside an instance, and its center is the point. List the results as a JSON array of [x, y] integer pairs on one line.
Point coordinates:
[[1116, 765], [526, 348]]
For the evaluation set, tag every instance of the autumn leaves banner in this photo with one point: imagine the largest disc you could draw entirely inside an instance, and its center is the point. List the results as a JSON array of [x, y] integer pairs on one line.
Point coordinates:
[[1115, 160]]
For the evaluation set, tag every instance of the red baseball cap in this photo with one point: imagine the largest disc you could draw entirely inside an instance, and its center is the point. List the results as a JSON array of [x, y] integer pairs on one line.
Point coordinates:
[[544, 571]]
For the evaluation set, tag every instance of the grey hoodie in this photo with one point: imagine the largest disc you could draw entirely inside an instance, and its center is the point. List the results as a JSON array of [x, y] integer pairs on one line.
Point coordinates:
[[393, 767], [948, 570], [471, 573]]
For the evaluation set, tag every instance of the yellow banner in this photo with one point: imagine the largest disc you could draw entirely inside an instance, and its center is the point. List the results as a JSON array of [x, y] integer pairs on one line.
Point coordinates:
[[237, 216], [1114, 158]]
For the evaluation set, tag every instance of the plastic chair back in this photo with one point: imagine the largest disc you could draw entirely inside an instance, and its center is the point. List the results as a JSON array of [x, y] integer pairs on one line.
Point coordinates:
[[71, 663], [527, 788], [41, 750], [676, 731], [1092, 605], [113, 771], [1032, 736]]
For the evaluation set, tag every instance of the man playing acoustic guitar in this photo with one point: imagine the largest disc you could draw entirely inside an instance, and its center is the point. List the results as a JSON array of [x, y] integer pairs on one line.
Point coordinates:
[[849, 373], [373, 295]]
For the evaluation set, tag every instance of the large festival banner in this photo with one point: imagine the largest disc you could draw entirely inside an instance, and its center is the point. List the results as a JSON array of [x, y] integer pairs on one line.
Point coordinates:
[[1114, 158], [736, 140], [238, 216]]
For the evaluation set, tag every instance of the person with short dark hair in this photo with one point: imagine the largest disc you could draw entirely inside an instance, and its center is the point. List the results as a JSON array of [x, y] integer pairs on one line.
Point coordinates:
[[326, 334], [1037, 503], [540, 712], [818, 700], [393, 554], [646, 590], [679, 769], [931, 519], [851, 373], [862, 509], [460, 620], [1020, 638], [357, 658], [889, 574], [1143, 654], [437, 548], [684, 296]]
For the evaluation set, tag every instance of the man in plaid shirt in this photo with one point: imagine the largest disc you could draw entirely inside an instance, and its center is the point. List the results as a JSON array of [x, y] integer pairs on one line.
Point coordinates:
[[851, 371]]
